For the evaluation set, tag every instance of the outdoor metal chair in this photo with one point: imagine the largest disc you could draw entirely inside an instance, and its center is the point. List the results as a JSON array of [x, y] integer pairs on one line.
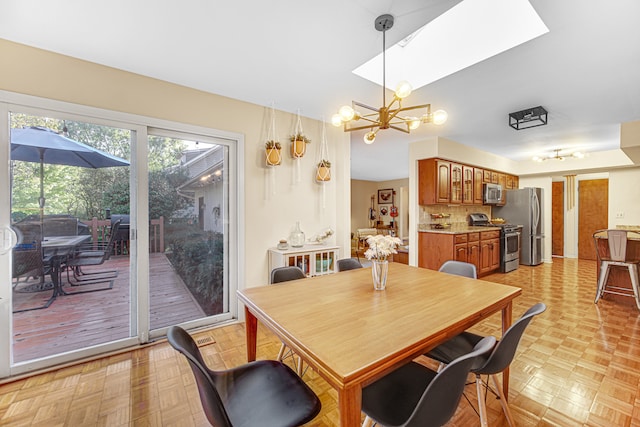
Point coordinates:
[[260, 393], [614, 253], [93, 255]]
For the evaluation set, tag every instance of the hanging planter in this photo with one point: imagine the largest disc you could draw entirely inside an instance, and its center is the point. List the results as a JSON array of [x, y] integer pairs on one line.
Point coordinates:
[[272, 152], [299, 145], [323, 172]]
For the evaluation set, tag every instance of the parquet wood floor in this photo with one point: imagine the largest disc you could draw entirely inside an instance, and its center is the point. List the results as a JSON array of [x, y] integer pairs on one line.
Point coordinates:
[[577, 365]]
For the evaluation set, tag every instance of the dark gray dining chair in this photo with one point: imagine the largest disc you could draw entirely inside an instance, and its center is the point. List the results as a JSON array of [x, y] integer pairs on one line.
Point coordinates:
[[494, 363], [285, 274], [459, 268], [348, 264], [414, 395], [260, 393]]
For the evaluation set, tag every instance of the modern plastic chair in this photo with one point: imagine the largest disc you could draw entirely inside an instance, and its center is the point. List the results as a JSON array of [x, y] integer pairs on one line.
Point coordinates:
[[459, 268], [284, 274], [348, 264], [494, 363], [279, 275], [414, 395], [261, 393], [616, 255]]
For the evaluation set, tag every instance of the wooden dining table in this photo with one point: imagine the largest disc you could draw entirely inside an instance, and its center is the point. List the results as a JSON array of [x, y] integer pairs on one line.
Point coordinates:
[[352, 335]]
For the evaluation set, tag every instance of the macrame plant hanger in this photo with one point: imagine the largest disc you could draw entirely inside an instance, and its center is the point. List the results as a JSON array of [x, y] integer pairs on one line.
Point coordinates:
[[273, 155], [298, 154], [323, 168]]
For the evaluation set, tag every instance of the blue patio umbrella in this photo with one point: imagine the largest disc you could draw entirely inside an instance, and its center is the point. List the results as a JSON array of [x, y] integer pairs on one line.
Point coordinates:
[[43, 145]]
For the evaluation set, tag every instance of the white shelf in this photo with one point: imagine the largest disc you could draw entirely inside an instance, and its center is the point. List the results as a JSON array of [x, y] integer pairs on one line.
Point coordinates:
[[314, 260]]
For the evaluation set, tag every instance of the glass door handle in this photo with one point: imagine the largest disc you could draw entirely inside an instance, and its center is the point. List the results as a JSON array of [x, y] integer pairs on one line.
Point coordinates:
[[9, 239]]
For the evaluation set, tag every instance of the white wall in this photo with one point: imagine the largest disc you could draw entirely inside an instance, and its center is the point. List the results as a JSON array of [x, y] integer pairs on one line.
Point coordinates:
[[624, 197]]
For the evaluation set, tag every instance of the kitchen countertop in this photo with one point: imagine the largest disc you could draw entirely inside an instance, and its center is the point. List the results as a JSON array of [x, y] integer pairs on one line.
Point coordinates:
[[456, 229]]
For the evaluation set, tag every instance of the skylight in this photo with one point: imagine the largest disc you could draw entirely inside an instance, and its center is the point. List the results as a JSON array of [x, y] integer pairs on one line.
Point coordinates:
[[466, 34]]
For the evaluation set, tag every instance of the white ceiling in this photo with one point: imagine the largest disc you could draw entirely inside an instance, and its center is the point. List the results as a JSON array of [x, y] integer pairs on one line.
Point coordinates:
[[299, 55]]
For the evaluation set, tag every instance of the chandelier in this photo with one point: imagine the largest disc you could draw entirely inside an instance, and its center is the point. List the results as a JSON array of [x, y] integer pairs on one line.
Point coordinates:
[[557, 156], [389, 116]]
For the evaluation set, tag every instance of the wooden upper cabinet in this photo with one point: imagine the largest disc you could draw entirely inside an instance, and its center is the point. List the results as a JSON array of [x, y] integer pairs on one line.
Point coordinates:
[[467, 185], [509, 185], [434, 181], [445, 182], [456, 183], [502, 180], [477, 186]]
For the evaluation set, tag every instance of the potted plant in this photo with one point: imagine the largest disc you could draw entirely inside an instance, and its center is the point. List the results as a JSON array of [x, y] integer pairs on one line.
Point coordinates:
[[323, 173], [299, 145], [272, 150]]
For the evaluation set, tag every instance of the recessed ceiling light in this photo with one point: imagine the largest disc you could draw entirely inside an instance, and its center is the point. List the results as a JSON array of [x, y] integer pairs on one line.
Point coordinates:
[[466, 34]]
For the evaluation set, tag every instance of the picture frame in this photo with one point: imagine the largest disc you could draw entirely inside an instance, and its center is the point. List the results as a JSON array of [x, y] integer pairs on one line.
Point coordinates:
[[385, 196], [384, 210]]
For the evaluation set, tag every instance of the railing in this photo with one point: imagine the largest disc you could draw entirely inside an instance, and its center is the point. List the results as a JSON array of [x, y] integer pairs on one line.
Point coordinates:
[[100, 232]]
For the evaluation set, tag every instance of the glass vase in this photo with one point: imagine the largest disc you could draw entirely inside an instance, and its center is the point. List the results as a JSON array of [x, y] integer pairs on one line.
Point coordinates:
[[379, 271], [297, 238]]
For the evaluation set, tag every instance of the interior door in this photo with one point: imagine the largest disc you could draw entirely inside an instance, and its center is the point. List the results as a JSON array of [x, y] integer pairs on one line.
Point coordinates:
[[593, 214]]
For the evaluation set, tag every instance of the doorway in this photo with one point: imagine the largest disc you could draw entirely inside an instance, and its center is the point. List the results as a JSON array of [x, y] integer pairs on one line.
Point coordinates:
[[593, 214]]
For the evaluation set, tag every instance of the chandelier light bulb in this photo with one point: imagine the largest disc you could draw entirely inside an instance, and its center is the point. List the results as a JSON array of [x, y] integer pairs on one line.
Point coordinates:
[[439, 117], [336, 120], [369, 137], [403, 89], [413, 122], [346, 113]]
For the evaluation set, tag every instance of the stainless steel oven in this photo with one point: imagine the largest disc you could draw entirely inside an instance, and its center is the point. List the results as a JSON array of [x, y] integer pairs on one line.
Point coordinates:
[[509, 248]]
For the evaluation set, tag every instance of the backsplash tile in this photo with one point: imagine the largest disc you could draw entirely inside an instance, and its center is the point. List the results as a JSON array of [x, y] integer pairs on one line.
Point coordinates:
[[459, 213]]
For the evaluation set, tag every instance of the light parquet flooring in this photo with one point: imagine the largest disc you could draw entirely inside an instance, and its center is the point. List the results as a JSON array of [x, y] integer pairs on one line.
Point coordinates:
[[578, 364]]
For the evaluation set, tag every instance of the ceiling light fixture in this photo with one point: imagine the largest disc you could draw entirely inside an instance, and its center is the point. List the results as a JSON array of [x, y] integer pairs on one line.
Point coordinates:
[[529, 118], [387, 116], [557, 156]]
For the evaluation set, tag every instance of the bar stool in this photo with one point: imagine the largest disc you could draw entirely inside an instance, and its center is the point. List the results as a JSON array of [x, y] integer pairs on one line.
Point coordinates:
[[616, 256]]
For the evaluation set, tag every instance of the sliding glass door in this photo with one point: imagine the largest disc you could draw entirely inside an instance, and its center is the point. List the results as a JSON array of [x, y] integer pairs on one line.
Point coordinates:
[[113, 230]]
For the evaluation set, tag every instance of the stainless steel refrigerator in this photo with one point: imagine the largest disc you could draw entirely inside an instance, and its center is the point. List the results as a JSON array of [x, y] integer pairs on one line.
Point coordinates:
[[524, 207]]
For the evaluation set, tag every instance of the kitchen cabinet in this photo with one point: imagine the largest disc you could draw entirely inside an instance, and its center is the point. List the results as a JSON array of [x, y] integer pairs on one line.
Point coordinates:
[[456, 183], [314, 260], [481, 249], [467, 185], [446, 182], [502, 180], [477, 186], [434, 182], [489, 252]]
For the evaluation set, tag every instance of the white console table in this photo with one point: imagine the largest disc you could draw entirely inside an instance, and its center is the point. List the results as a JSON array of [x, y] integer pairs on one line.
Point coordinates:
[[314, 260]]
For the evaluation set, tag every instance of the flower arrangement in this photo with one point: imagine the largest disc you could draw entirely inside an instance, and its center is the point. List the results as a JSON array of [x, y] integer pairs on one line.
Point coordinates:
[[381, 246]]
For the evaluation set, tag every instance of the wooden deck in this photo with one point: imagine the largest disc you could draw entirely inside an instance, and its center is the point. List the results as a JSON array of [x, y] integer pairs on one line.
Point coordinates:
[[75, 321]]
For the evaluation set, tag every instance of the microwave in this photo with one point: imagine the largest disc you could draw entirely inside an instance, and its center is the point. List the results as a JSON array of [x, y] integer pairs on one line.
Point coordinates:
[[491, 194]]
